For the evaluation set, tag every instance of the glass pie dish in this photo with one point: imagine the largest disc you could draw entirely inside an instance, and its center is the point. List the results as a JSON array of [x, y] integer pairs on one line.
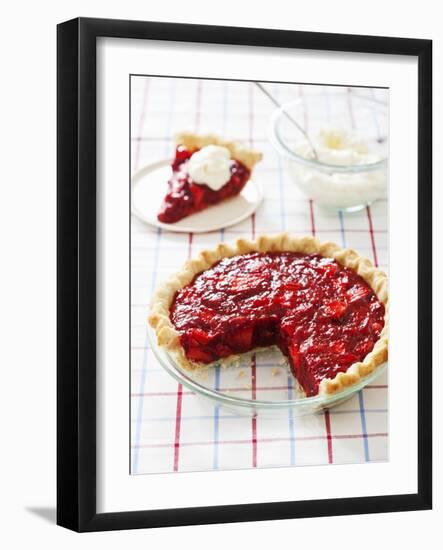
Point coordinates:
[[258, 383], [350, 137]]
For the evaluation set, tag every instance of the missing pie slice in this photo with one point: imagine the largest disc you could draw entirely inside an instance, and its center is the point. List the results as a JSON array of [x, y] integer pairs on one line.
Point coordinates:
[[206, 170]]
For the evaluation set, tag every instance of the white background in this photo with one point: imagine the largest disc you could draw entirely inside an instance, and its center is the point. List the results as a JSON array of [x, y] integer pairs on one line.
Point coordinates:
[[27, 470]]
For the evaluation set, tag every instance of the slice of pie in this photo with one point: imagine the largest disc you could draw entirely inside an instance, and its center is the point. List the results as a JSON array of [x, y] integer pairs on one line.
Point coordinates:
[[205, 171], [323, 306]]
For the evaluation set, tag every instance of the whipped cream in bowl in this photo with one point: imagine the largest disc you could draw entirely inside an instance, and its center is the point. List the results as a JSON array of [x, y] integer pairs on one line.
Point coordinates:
[[350, 171], [210, 166]]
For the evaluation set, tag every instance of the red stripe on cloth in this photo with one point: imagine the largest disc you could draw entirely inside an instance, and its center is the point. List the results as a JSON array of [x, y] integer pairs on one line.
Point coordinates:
[[251, 141], [251, 113], [190, 239], [317, 230], [262, 440], [160, 394], [254, 418], [311, 210], [177, 427], [236, 389], [328, 436], [253, 233], [371, 233], [327, 417], [227, 389], [178, 411]]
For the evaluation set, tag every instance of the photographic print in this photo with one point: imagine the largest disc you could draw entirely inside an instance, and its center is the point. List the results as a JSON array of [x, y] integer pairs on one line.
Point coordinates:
[[258, 261], [237, 244]]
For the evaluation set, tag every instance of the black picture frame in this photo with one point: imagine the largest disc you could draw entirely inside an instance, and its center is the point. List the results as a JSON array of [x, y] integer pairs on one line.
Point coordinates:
[[76, 273]]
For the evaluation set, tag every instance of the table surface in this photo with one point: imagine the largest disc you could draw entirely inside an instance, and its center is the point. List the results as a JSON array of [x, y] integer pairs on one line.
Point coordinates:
[[172, 429]]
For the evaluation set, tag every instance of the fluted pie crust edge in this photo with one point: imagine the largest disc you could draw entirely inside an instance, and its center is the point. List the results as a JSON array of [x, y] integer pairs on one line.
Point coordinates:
[[168, 336]]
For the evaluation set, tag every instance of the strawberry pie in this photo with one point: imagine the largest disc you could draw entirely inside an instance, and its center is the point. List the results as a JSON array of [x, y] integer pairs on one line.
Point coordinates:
[[324, 307], [205, 171]]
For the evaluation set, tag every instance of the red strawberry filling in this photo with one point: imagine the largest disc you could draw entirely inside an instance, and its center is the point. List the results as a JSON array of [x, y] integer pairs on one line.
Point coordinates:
[[184, 197], [322, 316]]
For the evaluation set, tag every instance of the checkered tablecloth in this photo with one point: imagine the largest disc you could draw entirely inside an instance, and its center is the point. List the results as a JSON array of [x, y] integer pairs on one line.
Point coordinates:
[[173, 430]]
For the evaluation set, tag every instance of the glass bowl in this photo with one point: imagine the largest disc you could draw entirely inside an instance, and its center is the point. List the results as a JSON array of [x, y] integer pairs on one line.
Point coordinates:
[[260, 384], [338, 186]]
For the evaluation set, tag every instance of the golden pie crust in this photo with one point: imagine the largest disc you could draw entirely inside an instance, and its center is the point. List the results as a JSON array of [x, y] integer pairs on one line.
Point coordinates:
[[168, 336], [192, 141]]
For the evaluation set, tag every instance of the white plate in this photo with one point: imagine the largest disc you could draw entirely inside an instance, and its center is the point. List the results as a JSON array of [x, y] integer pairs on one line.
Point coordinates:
[[149, 186]]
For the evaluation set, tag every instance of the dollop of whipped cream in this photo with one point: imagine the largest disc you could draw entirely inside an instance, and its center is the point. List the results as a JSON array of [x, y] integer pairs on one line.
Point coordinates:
[[335, 146], [339, 189], [210, 166]]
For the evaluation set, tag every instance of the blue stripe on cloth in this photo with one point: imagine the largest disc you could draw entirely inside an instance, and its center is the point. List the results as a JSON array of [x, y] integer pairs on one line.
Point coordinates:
[[222, 416], [363, 425], [154, 277], [135, 454], [375, 118], [342, 228], [215, 464], [138, 425], [291, 424], [360, 393]]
